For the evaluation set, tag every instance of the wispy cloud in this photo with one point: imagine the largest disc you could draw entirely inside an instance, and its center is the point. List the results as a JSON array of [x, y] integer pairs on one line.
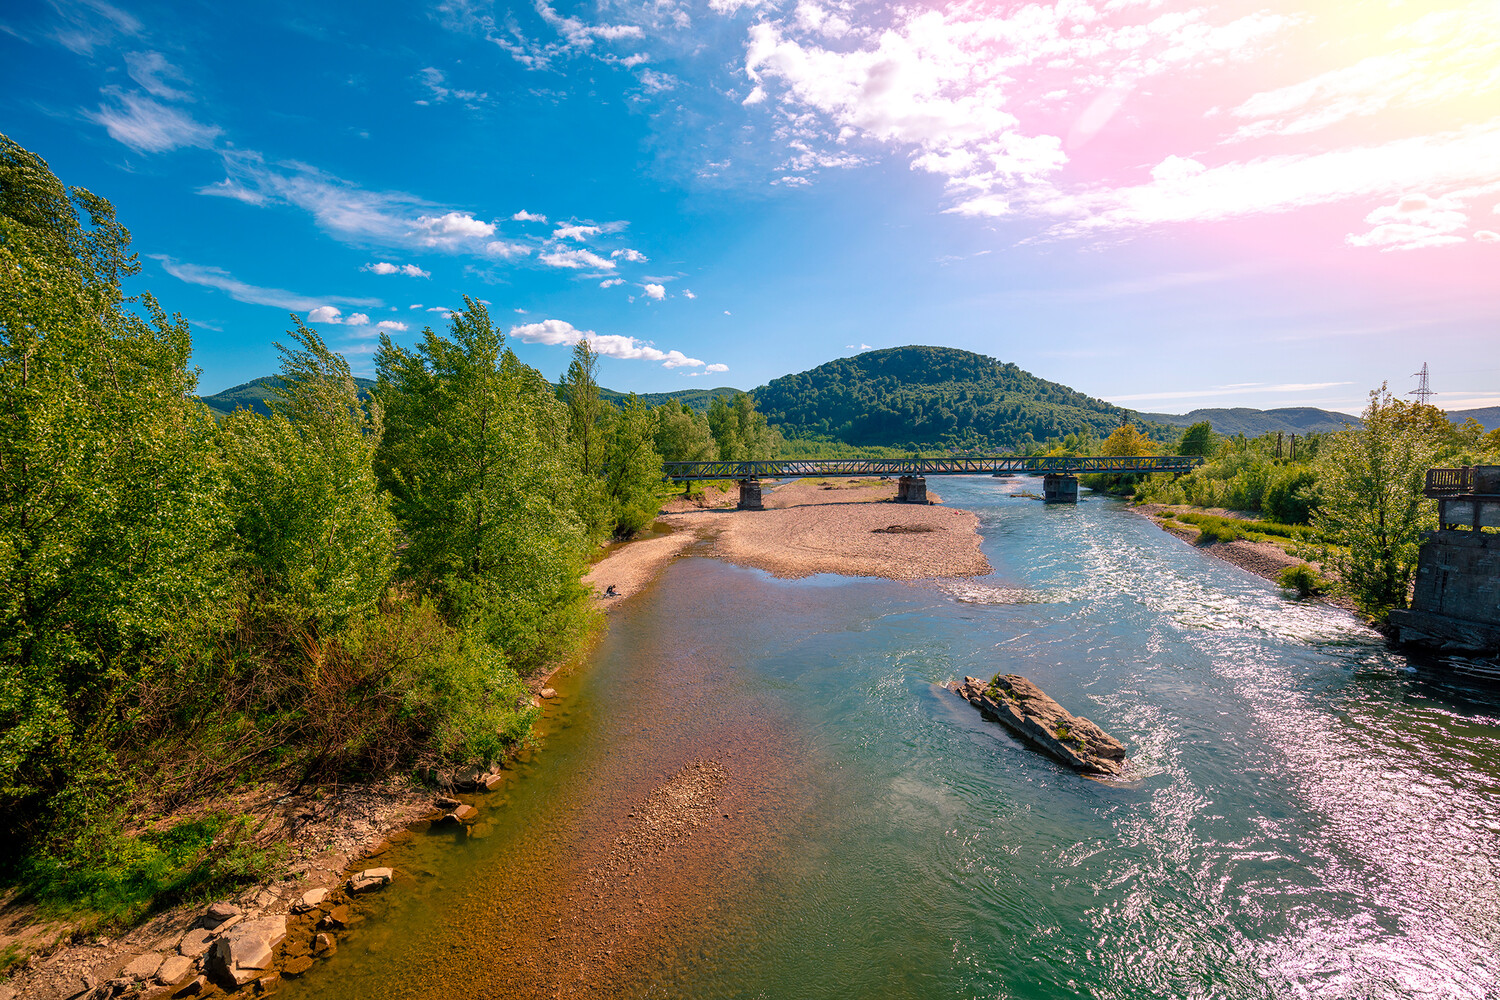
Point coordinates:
[[1245, 389], [385, 267], [148, 126], [217, 277]]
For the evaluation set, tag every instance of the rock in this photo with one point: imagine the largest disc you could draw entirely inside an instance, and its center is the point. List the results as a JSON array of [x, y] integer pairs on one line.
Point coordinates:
[[336, 918], [369, 880], [193, 988], [219, 912], [462, 815], [296, 966], [444, 803], [548, 693], [323, 944], [229, 923], [195, 942], [267, 982], [173, 968], [245, 953], [143, 966], [311, 900], [1027, 711]]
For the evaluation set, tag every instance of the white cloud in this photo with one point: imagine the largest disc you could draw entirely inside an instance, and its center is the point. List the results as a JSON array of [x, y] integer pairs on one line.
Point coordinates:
[[657, 83], [653, 291], [558, 333], [217, 277], [634, 256], [147, 125], [334, 316], [385, 267], [391, 324], [505, 250], [611, 282], [436, 83], [525, 216], [573, 232], [577, 259], [687, 293], [1415, 221], [716, 368], [152, 71], [85, 24], [729, 8], [452, 228], [1486, 236]]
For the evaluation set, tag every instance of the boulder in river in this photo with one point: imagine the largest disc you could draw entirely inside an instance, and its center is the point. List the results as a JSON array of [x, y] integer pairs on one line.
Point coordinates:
[[370, 878], [1025, 710]]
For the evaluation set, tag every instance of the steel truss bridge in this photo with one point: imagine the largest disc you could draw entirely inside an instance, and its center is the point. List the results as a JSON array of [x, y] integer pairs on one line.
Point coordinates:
[[850, 468]]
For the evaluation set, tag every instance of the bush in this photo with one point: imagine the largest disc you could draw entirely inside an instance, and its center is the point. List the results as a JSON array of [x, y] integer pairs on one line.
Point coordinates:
[[1303, 579], [1292, 496]]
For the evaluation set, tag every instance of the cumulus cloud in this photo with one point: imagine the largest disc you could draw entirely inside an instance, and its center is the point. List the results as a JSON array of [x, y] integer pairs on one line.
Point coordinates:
[[558, 333], [574, 232], [716, 368], [385, 267], [506, 250], [148, 126], [687, 293], [452, 228], [611, 282], [634, 256], [391, 324], [654, 291], [1487, 236], [525, 216], [332, 315], [576, 259]]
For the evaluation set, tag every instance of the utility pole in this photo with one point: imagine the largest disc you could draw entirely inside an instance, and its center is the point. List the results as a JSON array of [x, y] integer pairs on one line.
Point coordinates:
[[1422, 392]]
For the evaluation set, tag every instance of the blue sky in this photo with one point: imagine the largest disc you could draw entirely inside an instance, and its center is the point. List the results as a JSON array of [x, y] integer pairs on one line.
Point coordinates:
[[1164, 204]]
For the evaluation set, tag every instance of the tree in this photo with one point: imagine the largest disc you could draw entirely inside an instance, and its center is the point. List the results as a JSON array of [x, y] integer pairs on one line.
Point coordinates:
[[581, 389], [1126, 440], [633, 468], [477, 460], [740, 432], [1372, 509], [1199, 439], [316, 535], [111, 520], [683, 435]]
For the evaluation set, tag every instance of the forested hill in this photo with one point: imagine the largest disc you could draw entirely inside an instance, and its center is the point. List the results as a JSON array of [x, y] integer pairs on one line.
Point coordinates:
[[931, 397]]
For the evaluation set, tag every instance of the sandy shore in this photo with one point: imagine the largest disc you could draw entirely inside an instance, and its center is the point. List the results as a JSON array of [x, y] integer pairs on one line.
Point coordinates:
[[846, 527]]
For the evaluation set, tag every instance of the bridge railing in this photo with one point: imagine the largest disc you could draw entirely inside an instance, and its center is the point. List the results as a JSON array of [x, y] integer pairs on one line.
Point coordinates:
[[1469, 480], [958, 466]]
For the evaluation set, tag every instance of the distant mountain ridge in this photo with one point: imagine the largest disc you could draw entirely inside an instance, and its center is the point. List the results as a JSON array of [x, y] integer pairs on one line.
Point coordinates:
[[1253, 423], [252, 395]]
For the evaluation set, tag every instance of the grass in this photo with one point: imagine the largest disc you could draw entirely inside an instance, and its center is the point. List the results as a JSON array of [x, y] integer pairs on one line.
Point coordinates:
[[1213, 528], [111, 879]]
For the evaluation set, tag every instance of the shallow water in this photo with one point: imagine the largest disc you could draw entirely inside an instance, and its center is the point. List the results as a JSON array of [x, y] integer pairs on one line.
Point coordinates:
[[1311, 817]]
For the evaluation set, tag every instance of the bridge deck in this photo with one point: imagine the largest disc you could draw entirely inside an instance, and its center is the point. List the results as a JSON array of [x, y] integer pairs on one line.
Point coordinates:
[[974, 466]]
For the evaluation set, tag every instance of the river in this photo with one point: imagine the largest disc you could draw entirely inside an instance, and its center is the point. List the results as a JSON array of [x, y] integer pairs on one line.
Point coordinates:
[[1311, 817]]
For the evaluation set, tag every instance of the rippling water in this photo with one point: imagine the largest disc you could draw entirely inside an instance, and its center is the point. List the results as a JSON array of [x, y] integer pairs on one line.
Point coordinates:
[[1311, 817]]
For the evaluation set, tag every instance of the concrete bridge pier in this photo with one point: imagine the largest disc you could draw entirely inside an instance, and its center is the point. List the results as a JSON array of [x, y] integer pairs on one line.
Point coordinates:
[[750, 498], [1058, 488], [911, 489]]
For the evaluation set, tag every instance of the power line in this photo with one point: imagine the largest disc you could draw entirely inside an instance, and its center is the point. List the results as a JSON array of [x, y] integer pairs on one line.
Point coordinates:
[[1422, 391]]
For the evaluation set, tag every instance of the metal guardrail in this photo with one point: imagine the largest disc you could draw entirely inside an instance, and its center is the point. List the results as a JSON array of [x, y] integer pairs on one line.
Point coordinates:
[[852, 468]]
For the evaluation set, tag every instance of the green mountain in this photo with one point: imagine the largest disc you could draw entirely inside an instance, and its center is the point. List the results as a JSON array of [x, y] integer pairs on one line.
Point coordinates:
[[1488, 415], [1253, 423], [933, 397], [252, 396]]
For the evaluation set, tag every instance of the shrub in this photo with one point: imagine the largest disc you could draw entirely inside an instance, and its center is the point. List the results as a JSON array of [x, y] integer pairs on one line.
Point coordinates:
[[1303, 579]]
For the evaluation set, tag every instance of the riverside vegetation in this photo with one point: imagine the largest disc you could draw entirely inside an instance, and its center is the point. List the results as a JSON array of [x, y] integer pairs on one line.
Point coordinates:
[[347, 586]]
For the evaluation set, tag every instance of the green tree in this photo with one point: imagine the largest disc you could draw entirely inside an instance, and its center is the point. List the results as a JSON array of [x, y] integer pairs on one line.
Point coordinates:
[[740, 432], [683, 435], [478, 462], [633, 468], [581, 389], [1372, 509], [1199, 439], [316, 535], [111, 520]]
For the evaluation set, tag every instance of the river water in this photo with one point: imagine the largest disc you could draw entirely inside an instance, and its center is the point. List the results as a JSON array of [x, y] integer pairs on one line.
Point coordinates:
[[1310, 816]]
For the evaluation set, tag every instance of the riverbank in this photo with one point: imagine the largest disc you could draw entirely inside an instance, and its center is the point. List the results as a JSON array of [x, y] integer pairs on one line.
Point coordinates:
[[810, 526]]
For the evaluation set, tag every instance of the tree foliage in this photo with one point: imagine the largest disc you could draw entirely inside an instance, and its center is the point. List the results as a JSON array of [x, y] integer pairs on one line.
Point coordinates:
[[479, 465], [1372, 508]]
